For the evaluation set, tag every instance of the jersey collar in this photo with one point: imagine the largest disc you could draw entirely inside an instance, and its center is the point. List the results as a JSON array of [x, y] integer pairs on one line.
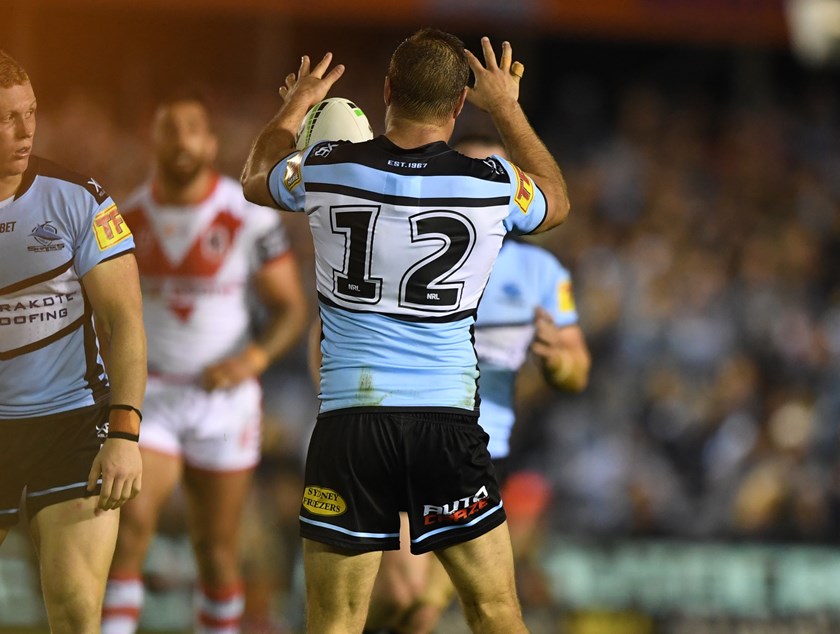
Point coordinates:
[[28, 177]]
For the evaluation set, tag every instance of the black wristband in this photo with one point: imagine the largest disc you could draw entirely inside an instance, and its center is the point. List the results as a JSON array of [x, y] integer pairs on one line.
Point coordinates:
[[128, 408], [124, 435]]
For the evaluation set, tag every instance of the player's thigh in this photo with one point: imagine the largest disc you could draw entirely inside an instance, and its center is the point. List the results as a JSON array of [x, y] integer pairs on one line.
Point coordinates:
[[482, 569], [75, 547], [161, 474], [338, 579], [216, 502]]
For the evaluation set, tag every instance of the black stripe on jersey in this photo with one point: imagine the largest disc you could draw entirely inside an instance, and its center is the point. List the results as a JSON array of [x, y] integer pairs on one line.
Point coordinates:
[[462, 314], [406, 201], [41, 277], [507, 324], [10, 354], [433, 159], [28, 176], [94, 372], [42, 167]]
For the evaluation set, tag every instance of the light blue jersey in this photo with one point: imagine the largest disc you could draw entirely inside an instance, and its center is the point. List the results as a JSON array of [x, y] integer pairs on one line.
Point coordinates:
[[57, 228], [524, 277], [404, 243]]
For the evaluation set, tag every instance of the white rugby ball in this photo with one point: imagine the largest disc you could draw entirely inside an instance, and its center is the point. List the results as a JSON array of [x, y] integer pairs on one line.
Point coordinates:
[[334, 119]]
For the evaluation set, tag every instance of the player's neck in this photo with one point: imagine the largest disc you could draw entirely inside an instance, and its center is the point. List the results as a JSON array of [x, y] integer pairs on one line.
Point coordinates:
[[407, 133], [9, 185], [192, 193]]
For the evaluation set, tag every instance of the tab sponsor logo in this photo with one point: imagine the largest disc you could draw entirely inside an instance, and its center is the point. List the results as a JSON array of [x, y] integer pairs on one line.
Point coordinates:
[[7, 227], [524, 190], [110, 228], [323, 501]]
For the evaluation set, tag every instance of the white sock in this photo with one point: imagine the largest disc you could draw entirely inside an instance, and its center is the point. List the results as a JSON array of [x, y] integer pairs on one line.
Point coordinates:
[[219, 610], [123, 602]]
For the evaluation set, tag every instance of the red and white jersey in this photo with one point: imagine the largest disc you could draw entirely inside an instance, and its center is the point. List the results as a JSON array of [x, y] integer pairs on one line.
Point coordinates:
[[196, 263]]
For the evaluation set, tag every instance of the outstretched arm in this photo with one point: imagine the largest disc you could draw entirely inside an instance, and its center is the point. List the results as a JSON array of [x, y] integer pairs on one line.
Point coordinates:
[[496, 91], [277, 140]]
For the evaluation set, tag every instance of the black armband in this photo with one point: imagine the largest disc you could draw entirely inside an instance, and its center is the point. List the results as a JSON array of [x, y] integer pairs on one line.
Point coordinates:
[[128, 408], [124, 435]]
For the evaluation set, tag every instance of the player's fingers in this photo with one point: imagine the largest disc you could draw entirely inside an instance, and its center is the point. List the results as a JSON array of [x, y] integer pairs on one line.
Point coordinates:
[[541, 314], [489, 53], [291, 78], [517, 69], [136, 485], [93, 476], [321, 67], [125, 493], [303, 71], [105, 493], [473, 62], [333, 76], [507, 57], [540, 349]]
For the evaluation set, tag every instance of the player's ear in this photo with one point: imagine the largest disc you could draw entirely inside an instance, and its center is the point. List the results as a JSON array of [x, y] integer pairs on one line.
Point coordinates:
[[461, 100], [387, 92]]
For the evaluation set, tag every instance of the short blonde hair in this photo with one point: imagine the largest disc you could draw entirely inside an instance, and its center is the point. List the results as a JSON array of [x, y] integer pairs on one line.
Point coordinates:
[[11, 72]]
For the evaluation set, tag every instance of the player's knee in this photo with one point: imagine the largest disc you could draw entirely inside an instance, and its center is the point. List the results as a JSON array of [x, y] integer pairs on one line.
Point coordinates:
[[215, 560], [498, 607], [72, 611]]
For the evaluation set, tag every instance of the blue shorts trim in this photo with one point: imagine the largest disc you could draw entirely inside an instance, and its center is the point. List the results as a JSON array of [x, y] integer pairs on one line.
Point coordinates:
[[349, 532], [66, 487]]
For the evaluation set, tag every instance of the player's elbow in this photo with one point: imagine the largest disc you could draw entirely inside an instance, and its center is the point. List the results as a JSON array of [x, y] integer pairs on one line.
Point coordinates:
[[557, 208], [250, 187]]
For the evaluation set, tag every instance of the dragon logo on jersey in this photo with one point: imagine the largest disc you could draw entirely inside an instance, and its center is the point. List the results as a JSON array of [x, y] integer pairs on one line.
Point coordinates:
[[524, 190], [323, 501], [46, 235], [110, 228]]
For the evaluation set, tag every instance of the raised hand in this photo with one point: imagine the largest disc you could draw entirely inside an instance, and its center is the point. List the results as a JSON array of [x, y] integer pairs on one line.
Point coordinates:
[[496, 83], [311, 85]]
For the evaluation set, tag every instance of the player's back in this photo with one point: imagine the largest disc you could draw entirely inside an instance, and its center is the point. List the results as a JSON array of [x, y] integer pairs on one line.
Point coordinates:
[[404, 240]]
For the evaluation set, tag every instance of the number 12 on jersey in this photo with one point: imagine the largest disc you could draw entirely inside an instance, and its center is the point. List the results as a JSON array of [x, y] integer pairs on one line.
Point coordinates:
[[427, 284]]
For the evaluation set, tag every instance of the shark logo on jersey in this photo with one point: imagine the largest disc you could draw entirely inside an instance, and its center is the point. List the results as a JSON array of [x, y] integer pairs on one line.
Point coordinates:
[[512, 293], [46, 235]]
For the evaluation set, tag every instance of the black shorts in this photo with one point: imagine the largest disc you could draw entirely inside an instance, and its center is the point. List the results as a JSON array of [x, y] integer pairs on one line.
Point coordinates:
[[49, 456], [363, 468]]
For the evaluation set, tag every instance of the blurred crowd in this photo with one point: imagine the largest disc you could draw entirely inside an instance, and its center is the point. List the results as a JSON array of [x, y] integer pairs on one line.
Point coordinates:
[[704, 243]]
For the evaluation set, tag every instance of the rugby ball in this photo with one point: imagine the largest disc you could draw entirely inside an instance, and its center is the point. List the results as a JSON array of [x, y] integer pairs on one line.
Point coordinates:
[[334, 119]]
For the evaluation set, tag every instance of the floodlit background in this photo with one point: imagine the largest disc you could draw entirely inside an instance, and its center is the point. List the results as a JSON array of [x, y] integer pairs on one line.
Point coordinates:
[[695, 486]]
